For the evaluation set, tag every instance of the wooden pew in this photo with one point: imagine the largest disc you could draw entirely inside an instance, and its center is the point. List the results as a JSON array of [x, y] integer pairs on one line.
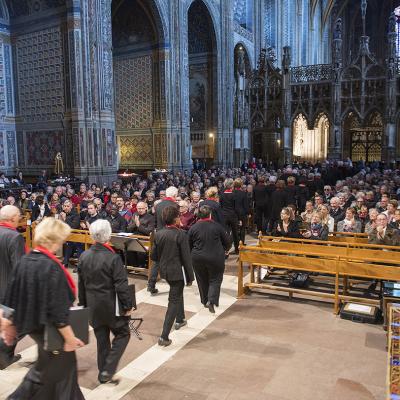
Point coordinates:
[[340, 262]]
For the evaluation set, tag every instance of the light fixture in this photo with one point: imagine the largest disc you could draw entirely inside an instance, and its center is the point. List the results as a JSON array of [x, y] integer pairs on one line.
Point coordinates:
[[211, 135], [278, 141]]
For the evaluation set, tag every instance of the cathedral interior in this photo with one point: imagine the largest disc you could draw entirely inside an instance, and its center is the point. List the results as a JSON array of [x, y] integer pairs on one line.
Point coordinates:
[[147, 84]]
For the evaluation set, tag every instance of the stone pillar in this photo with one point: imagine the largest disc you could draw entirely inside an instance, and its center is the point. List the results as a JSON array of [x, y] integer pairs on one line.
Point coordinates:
[[391, 98], [336, 134], [286, 145]]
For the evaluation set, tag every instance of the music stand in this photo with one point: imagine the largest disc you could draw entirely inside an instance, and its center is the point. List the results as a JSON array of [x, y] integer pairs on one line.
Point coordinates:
[[126, 243]]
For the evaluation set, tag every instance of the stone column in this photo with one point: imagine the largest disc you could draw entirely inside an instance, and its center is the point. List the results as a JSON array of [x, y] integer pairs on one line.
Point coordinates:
[[336, 134], [391, 98], [286, 145]]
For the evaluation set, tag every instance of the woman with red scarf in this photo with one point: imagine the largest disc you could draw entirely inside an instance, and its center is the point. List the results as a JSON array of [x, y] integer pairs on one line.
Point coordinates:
[[42, 292]]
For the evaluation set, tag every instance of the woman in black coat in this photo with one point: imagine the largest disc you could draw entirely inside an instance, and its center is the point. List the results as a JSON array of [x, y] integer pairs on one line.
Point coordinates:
[[278, 201], [42, 292], [208, 243], [212, 201], [286, 227], [171, 251]]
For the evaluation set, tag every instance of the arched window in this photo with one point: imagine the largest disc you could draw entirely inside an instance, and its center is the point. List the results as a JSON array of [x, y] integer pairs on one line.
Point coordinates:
[[397, 14], [243, 13]]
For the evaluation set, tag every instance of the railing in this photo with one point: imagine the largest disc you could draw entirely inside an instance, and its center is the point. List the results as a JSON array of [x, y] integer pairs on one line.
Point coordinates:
[[311, 73], [243, 31]]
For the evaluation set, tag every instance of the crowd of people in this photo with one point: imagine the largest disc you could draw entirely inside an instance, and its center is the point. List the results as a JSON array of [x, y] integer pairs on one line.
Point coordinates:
[[195, 217]]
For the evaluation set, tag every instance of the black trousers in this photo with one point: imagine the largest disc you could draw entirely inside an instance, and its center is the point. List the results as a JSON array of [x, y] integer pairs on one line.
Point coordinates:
[[175, 310], [153, 275], [242, 229], [231, 224], [209, 280], [53, 376], [261, 219], [109, 353]]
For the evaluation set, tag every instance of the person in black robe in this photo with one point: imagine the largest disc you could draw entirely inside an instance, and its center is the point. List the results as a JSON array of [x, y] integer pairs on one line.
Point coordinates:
[[286, 226], [12, 248], [208, 243], [278, 201], [42, 292], [260, 201], [103, 279], [241, 207], [168, 201], [212, 201], [229, 211], [172, 253]]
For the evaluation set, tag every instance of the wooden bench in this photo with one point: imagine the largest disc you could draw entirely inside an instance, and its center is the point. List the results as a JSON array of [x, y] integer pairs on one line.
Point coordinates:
[[339, 262]]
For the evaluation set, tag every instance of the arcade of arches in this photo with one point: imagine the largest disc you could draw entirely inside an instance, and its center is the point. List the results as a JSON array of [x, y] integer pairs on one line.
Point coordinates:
[[144, 84]]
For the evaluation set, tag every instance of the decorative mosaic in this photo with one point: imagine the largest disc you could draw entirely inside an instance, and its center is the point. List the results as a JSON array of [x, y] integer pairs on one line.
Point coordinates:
[[133, 92], [40, 75], [2, 84], [11, 148], [135, 149], [43, 146]]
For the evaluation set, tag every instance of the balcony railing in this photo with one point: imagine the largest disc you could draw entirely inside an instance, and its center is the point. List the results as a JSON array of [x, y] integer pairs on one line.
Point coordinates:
[[311, 73]]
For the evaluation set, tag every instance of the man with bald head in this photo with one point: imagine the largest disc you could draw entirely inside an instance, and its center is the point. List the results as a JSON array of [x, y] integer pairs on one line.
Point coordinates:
[[12, 248]]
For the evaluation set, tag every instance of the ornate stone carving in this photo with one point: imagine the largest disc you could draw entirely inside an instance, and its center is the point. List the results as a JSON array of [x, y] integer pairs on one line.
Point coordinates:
[[311, 73]]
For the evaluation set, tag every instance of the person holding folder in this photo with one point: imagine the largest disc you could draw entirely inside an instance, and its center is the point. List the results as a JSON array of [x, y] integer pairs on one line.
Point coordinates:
[[103, 287], [171, 251], [41, 293]]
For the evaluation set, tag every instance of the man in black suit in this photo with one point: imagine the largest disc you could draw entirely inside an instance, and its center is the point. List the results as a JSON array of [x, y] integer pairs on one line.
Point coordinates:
[[241, 207], [103, 287], [118, 223], [12, 248], [168, 201], [228, 207], [260, 201]]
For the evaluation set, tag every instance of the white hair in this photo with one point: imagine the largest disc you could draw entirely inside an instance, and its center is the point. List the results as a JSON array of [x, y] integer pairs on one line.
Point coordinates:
[[7, 213], [100, 231], [172, 191]]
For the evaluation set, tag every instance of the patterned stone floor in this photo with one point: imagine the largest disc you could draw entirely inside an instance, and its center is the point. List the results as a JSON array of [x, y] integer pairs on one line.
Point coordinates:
[[261, 347]]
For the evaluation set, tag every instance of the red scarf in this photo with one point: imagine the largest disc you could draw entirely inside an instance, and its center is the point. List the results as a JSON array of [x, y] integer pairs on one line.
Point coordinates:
[[7, 226], [169, 199], [172, 226], [68, 276], [204, 220], [107, 246], [212, 199], [228, 191]]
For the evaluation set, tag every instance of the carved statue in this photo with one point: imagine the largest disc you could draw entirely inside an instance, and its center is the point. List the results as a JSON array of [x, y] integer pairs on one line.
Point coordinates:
[[241, 61], [59, 165], [271, 54], [286, 59], [337, 34]]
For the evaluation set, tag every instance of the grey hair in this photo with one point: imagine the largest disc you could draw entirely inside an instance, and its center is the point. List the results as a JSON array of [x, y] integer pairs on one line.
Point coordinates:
[[172, 191], [8, 212], [100, 231], [228, 184]]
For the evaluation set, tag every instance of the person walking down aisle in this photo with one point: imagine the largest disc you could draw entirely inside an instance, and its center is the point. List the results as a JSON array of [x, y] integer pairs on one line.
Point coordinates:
[[171, 252], [102, 280], [208, 242], [12, 248], [42, 292]]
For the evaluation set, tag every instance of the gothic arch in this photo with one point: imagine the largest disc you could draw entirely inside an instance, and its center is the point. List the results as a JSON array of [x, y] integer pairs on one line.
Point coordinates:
[[248, 53], [203, 81], [139, 43], [310, 144]]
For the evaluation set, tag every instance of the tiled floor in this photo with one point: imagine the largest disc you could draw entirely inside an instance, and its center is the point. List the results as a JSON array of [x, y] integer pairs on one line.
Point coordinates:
[[261, 347]]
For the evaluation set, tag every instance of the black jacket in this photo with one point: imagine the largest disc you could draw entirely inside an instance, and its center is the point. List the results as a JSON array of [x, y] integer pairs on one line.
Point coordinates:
[[278, 201], [216, 211], [12, 248], [208, 242], [241, 203], [118, 224], [73, 220], [302, 195], [228, 205], [36, 212], [292, 232], [260, 196], [102, 276], [39, 293], [291, 194], [147, 225], [159, 209], [337, 215], [171, 250]]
